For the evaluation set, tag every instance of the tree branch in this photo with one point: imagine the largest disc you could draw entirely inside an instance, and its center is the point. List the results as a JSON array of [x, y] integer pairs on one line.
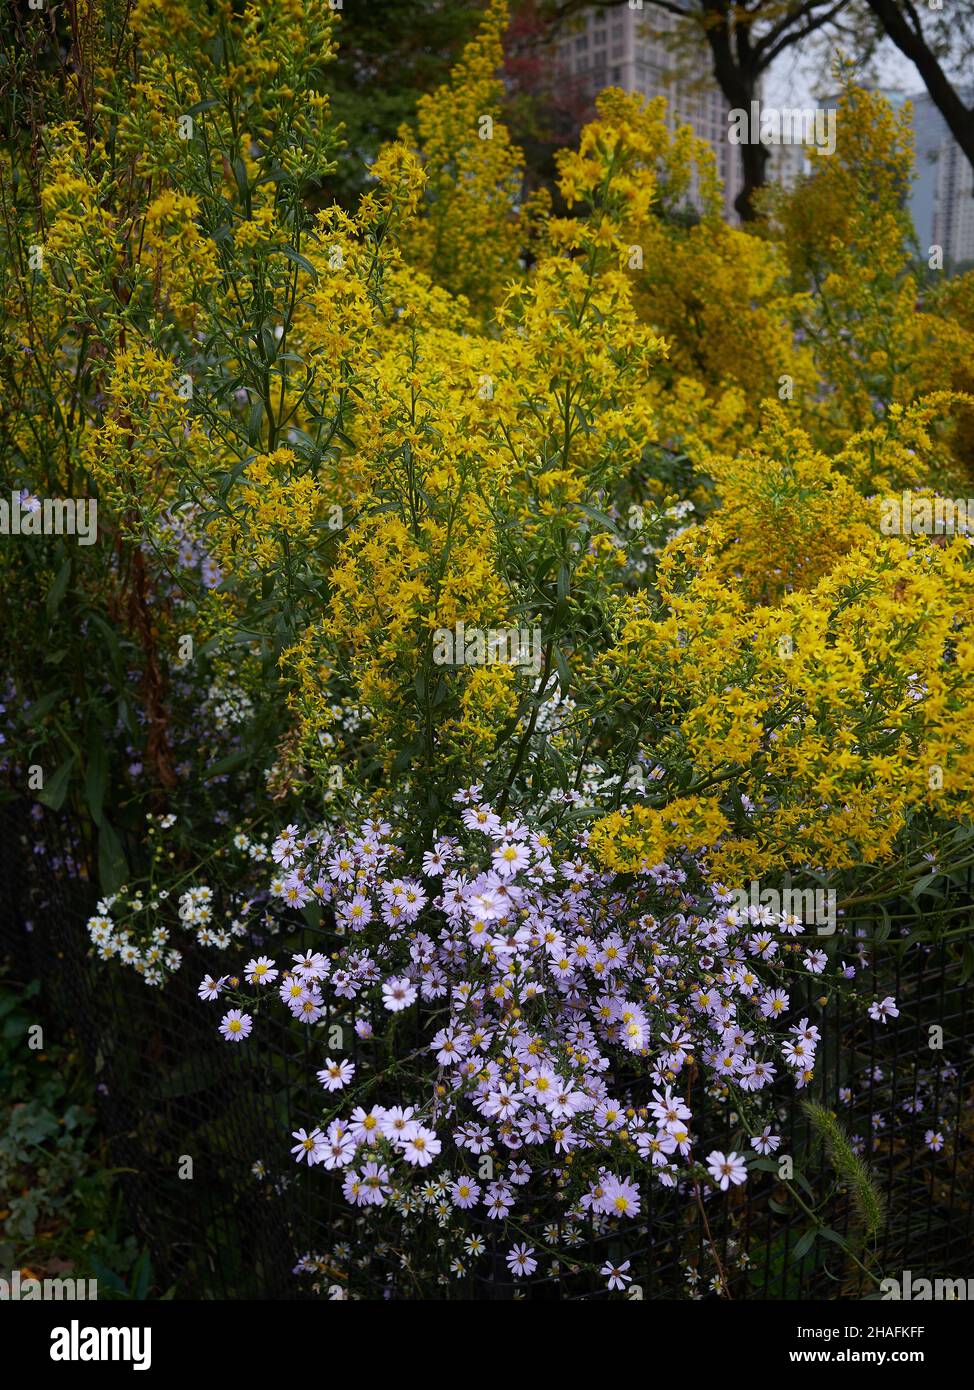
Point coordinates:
[[913, 45]]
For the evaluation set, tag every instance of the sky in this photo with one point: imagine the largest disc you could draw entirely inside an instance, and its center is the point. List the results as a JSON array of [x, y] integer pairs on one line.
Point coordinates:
[[796, 76]]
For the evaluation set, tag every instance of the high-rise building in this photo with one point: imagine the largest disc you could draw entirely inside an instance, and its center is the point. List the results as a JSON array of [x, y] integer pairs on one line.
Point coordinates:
[[942, 202], [630, 48]]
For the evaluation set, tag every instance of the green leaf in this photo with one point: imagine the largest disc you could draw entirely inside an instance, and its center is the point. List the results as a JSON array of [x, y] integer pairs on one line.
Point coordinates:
[[967, 969], [240, 174], [228, 764], [300, 260], [199, 107], [602, 518], [107, 1278], [805, 1185], [96, 773], [56, 592], [558, 763], [110, 641], [57, 788], [804, 1244], [308, 447], [41, 707], [142, 1276], [885, 927], [406, 755], [922, 884], [564, 674], [113, 867]]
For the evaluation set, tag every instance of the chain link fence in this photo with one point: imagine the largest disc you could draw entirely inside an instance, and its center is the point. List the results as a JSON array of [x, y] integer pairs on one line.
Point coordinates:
[[188, 1117]]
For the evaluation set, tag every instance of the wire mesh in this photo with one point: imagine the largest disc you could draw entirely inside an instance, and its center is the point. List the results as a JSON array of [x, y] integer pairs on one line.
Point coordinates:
[[170, 1091]]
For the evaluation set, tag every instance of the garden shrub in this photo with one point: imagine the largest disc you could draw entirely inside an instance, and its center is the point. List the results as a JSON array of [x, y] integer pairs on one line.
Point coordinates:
[[513, 579]]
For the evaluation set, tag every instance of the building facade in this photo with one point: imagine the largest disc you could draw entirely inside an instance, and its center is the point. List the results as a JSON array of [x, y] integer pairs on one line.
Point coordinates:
[[942, 202], [633, 49]]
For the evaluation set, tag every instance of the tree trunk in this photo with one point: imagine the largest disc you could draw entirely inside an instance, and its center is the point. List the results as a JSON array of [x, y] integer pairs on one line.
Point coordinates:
[[738, 73], [754, 167]]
